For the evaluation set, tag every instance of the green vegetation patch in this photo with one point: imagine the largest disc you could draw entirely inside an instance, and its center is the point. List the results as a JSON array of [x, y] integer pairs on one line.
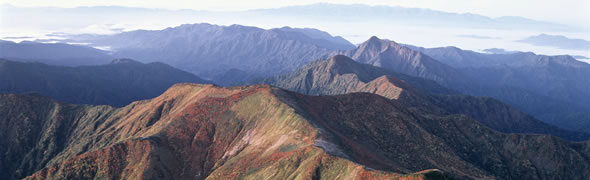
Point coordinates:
[[288, 147]]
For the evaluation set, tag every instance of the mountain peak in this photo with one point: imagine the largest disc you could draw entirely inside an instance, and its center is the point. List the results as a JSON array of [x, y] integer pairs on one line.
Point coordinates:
[[341, 64], [341, 59], [376, 44], [326, 77], [374, 38], [373, 41]]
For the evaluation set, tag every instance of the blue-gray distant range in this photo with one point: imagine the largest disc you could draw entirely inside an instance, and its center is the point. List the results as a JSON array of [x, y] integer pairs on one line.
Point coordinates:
[[355, 22], [53, 53], [552, 88], [557, 41], [409, 16], [500, 51], [493, 114], [321, 12]]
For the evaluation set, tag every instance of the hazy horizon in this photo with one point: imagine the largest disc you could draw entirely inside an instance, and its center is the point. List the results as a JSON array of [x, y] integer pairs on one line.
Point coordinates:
[[567, 11], [37, 21]]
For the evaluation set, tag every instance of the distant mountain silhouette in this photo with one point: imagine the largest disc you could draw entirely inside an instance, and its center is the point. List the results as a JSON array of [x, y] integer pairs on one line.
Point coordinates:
[[118, 83], [409, 16], [53, 53], [499, 51], [213, 51], [557, 41], [335, 42]]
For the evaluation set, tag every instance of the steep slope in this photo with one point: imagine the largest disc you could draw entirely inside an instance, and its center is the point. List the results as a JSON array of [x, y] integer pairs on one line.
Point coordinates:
[[342, 75], [215, 52], [334, 42], [552, 88], [392, 137], [190, 132], [558, 77], [504, 118], [455, 57], [394, 57], [549, 87], [118, 83], [206, 132], [53, 53]]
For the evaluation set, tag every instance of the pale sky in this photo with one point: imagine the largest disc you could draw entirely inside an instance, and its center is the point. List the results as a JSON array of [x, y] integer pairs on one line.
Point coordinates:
[[560, 11]]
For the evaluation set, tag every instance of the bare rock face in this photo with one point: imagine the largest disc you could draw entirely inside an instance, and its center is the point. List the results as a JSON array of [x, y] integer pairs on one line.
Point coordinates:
[[197, 131]]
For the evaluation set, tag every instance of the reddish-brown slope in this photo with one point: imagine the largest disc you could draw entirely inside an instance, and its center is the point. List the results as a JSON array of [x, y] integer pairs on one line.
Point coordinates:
[[373, 130], [201, 131], [206, 132]]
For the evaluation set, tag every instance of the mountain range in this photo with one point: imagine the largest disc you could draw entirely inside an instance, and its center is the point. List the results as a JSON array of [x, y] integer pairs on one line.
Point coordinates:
[[117, 83], [117, 16], [552, 88], [557, 41], [226, 54], [208, 132], [329, 109], [395, 57], [342, 75], [407, 16], [53, 53]]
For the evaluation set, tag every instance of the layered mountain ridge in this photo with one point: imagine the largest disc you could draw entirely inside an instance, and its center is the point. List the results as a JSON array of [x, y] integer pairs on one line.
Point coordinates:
[[190, 131], [53, 53], [207, 132], [395, 57], [213, 51], [342, 75], [117, 83], [553, 88]]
